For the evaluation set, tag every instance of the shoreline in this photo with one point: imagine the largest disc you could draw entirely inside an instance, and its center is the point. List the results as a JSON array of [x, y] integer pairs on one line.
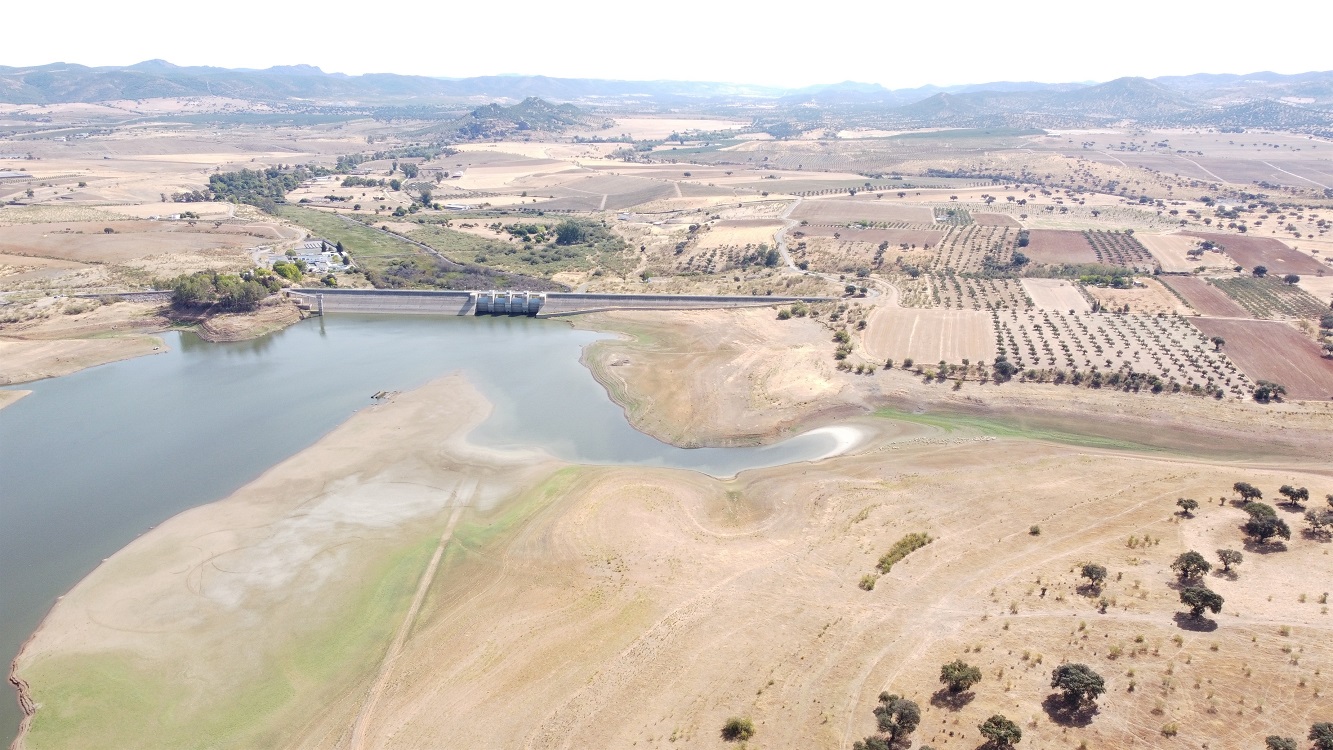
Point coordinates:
[[463, 401], [1191, 424]]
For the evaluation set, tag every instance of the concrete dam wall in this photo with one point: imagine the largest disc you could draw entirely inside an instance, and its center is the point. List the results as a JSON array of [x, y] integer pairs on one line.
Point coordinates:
[[530, 304]]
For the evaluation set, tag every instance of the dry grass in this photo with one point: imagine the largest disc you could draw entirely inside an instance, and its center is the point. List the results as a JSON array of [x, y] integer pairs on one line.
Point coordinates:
[[929, 336]]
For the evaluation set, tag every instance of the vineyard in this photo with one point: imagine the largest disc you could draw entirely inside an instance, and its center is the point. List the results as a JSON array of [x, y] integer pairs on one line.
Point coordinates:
[[1161, 352], [1120, 249], [952, 291], [955, 216], [974, 248], [1270, 298]]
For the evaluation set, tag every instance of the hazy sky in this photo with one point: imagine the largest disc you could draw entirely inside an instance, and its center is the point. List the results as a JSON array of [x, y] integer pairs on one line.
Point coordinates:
[[780, 43]]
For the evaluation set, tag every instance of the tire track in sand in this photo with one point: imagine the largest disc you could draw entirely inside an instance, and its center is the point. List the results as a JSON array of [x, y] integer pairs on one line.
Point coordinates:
[[367, 712]]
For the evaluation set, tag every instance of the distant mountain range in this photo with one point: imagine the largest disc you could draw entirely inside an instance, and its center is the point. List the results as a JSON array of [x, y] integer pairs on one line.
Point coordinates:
[[1302, 101]]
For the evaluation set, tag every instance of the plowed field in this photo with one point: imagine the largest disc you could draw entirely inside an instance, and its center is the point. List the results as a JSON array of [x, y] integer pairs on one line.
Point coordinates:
[[1054, 246], [1265, 251], [1205, 297], [1276, 352]]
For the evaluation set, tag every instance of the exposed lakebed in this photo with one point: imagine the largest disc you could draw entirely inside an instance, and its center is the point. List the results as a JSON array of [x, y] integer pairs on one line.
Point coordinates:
[[93, 459]]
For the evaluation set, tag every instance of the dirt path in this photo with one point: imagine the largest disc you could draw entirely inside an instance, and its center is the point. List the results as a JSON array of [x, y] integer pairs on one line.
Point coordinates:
[[1205, 171], [781, 236], [367, 713], [1293, 174]]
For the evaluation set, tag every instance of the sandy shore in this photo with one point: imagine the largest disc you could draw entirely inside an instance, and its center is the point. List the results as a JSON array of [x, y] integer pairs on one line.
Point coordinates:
[[8, 397], [323, 551], [23, 361]]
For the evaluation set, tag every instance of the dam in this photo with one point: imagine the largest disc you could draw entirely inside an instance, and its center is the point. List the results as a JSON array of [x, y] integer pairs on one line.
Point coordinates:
[[514, 303]]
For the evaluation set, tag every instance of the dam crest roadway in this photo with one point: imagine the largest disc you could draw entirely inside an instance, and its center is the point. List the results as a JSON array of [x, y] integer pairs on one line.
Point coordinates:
[[514, 303]]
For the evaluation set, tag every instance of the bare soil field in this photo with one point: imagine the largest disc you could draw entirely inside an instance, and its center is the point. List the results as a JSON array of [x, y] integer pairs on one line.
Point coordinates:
[[1054, 246], [840, 210], [1204, 297], [1275, 352], [929, 336], [1319, 287], [1265, 251], [994, 220], [1171, 252], [89, 242], [1147, 297], [739, 233], [1056, 294], [39, 214], [895, 237]]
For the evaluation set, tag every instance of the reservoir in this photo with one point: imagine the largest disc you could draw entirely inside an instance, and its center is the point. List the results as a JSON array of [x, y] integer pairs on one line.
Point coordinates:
[[91, 460]]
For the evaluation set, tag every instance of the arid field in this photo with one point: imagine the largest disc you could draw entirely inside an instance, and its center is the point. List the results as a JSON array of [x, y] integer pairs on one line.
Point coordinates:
[[1038, 341]]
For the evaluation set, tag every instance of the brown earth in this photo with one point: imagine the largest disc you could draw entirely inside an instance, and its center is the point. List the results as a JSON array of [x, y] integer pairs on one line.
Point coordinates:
[[1205, 297], [895, 237], [1276, 352], [838, 210], [88, 242], [1264, 251], [1055, 246]]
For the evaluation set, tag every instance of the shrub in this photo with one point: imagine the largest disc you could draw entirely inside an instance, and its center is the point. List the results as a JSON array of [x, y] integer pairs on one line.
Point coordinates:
[[1095, 574], [1199, 598], [737, 729], [958, 675], [902, 548], [1322, 735], [1000, 731], [1034, 530], [1190, 565], [1079, 683], [897, 716], [1278, 742], [868, 581]]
